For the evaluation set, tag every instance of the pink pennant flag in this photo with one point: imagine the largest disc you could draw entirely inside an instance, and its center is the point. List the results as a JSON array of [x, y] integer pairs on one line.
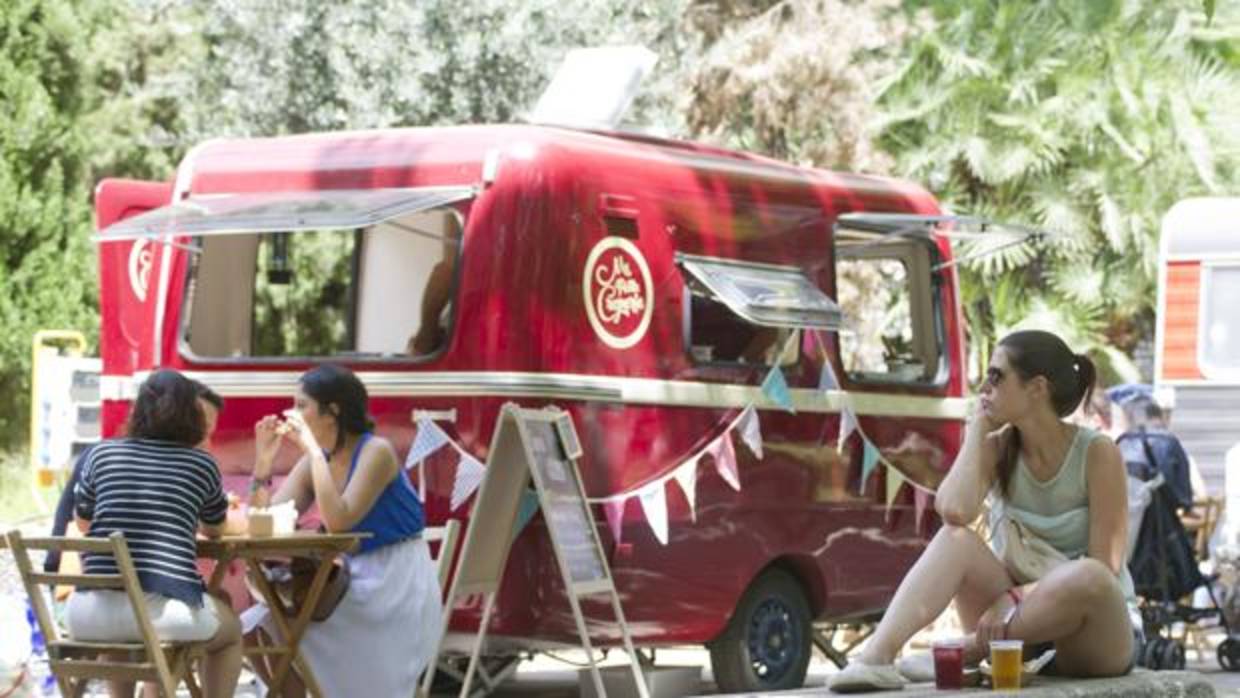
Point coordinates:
[[725, 461], [614, 509], [654, 504], [920, 499], [848, 424], [686, 477]]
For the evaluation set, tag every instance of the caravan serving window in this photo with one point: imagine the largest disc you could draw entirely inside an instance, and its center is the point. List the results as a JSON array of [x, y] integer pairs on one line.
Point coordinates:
[[382, 290], [1220, 323], [741, 312], [885, 286]]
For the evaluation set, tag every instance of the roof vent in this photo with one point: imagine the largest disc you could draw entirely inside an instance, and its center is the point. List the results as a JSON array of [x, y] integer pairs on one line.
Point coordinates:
[[594, 87]]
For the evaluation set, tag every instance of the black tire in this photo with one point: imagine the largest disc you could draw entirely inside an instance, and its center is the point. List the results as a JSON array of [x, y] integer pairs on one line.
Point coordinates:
[[1151, 653], [1229, 654], [767, 644], [1173, 656]]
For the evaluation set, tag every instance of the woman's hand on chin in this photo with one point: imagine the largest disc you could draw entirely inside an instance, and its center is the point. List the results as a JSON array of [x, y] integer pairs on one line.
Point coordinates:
[[300, 432]]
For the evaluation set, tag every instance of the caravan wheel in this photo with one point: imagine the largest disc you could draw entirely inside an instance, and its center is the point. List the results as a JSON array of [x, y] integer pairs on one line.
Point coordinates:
[[766, 646]]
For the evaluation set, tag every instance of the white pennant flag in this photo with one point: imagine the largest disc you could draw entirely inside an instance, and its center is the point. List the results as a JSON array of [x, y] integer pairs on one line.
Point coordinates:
[[468, 476], [430, 438], [686, 477], [654, 503], [725, 461], [751, 430], [614, 509], [848, 423]]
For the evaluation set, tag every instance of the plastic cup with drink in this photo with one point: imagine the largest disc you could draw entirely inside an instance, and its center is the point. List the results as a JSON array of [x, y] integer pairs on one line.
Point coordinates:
[[1006, 664], [948, 664]]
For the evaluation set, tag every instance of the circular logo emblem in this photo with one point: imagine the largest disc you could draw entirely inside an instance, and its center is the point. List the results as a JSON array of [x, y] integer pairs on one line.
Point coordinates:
[[140, 257], [618, 293]]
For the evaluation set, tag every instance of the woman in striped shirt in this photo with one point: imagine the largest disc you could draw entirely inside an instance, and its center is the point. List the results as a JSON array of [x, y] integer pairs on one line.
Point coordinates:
[[155, 487]]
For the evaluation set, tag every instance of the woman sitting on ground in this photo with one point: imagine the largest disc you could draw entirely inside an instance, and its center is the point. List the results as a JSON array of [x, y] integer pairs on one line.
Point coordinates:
[[379, 638], [1064, 484], [155, 487]]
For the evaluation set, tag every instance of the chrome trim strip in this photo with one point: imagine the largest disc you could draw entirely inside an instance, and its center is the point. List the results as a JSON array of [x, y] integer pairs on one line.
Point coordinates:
[[568, 386]]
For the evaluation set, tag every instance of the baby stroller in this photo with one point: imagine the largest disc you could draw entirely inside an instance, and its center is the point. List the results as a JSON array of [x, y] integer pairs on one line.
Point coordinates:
[[1164, 571]]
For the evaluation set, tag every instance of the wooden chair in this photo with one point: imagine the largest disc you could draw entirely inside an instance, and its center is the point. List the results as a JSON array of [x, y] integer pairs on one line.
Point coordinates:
[[74, 663]]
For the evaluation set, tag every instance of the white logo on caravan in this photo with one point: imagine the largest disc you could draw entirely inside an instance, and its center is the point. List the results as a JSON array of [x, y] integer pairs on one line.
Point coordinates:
[[140, 257], [618, 292]]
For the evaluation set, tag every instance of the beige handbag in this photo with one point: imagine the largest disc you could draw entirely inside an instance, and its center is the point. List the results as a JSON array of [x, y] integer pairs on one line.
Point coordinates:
[[1027, 557]]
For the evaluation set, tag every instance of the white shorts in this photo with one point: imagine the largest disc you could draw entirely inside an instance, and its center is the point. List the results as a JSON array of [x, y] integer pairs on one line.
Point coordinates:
[[106, 616]]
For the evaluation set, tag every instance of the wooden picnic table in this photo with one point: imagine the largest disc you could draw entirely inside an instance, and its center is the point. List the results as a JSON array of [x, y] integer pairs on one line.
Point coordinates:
[[322, 547]]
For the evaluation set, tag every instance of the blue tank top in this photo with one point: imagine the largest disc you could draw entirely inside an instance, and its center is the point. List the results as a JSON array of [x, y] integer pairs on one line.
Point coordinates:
[[397, 513]]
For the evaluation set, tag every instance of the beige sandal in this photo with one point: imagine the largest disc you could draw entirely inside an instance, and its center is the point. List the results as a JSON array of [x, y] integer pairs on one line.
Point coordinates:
[[862, 678]]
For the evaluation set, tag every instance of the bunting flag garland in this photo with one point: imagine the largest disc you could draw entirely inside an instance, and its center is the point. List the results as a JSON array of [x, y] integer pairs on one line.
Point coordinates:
[[654, 504], [920, 499], [848, 423], [614, 509], [429, 439], [827, 379], [468, 477], [751, 430], [725, 462], [525, 512], [895, 479], [686, 477], [775, 387], [869, 460]]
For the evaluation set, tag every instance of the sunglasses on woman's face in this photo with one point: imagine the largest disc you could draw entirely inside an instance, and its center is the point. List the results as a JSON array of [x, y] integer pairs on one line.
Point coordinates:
[[995, 376]]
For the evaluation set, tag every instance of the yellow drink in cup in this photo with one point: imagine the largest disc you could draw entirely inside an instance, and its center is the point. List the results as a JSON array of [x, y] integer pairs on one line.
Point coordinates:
[[1006, 663], [46, 477]]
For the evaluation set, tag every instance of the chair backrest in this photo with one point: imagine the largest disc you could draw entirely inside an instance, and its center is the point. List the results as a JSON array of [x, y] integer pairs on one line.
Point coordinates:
[[447, 535], [73, 663]]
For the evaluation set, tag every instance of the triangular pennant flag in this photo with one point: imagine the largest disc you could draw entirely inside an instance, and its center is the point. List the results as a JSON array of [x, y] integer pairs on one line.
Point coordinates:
[[920, 499], [869, 459], [469, 473], [775, 387], [686, 477], [724, 454], [848, 422], [654, 504], [614, 509], [525, 512], [895, 479], [430, 438], [751, 430], [827, 380]]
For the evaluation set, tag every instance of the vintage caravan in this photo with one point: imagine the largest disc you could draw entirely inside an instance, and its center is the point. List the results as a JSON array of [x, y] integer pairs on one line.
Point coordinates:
[[646, 286], [1197, 345]]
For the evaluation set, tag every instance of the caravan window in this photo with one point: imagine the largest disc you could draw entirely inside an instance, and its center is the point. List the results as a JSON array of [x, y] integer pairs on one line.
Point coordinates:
[[381, 290], [1220, 323], [893, 322], [741, 312]]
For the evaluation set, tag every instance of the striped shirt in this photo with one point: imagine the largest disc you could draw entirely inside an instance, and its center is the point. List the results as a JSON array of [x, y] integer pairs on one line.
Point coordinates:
[[155, 493]]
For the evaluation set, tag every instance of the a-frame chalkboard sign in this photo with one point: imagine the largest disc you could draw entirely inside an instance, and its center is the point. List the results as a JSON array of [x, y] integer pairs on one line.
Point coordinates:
[[541, 445]]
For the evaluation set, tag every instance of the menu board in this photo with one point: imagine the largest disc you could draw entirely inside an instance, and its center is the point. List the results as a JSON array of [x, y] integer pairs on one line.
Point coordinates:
[[565, 510]]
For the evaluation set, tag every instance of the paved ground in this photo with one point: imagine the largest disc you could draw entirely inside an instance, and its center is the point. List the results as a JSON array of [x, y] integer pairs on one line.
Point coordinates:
[[547, 677]]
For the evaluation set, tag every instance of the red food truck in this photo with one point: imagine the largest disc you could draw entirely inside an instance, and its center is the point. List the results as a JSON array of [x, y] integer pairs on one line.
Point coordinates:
[[646, 286]]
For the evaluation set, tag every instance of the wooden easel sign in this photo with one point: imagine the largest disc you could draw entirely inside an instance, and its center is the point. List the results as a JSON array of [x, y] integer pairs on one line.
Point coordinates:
[[539, 445]]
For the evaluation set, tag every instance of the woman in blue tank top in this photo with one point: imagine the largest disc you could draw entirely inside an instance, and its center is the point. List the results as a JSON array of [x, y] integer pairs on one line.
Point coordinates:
[[380, 636]]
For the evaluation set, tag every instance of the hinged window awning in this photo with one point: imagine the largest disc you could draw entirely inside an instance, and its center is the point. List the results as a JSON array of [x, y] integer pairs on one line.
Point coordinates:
[[270, 212], [768, 295]]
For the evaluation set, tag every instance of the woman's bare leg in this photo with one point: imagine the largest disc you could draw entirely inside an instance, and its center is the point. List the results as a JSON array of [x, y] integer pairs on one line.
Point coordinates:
[[222, 666], [1080, 607], [956, 564]]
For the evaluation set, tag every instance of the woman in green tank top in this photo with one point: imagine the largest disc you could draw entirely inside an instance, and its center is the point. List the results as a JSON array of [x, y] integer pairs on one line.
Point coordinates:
[[1065, 484]]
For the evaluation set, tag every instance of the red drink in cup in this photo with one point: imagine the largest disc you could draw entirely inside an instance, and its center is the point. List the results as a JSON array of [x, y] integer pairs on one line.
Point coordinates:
[[949, 664]]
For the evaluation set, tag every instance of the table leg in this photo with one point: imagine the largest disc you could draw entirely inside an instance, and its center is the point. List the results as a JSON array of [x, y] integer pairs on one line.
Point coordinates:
[[292, 634]]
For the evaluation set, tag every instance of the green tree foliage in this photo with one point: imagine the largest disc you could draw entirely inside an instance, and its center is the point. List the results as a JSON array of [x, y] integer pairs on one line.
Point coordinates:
[[1089, 119]]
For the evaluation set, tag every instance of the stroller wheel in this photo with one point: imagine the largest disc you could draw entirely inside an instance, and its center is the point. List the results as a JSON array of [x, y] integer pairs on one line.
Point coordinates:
[[1172, 656], [1151, 653], [1229, 654]]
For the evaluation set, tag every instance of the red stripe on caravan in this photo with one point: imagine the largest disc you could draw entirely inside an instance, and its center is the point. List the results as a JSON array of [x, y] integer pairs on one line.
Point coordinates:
[[1180, 318]]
